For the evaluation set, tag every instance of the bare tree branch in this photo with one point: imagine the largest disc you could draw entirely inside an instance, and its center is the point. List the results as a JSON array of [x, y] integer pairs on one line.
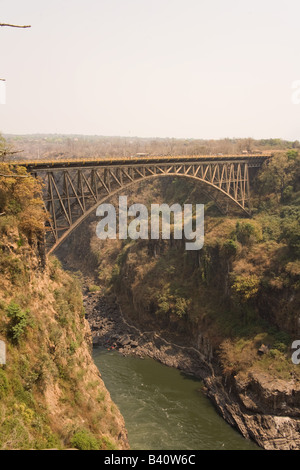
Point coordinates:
[[12, 152], [15, 25]]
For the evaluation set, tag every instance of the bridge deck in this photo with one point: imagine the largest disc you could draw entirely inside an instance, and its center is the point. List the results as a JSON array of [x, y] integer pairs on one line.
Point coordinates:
[[31, 165]]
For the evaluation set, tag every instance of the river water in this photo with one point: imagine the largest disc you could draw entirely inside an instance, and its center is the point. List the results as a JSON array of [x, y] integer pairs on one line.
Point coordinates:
[[163, 408]]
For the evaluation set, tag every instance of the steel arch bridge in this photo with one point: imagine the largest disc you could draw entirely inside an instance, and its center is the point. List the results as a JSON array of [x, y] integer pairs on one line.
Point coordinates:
[[73, 189]]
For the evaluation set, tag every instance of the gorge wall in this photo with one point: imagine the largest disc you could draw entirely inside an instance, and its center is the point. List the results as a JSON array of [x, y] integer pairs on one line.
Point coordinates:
[[235, 303]]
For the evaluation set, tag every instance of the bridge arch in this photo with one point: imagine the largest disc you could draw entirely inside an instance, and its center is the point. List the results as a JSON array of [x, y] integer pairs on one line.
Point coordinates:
[[221, 198]]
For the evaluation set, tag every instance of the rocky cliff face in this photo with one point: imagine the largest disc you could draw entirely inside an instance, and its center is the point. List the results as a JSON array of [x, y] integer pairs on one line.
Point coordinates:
[[52, 394], [261, 408]]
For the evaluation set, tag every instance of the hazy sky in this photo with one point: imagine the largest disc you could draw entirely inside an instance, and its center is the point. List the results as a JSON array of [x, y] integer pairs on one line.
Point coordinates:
[[166, 68]]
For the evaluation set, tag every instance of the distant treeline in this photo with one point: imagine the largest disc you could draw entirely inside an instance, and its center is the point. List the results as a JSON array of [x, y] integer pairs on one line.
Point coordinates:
[[61, 146]]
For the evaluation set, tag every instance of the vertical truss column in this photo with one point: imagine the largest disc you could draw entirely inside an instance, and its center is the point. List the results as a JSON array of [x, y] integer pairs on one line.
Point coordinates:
[[80, 188], [247, 187], [67, 194], [51, 207]]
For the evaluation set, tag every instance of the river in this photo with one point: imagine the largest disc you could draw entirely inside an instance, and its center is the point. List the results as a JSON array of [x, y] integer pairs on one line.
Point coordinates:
[[163, 408]]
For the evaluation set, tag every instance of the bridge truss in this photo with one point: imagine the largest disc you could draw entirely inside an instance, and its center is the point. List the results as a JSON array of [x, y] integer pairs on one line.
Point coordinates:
[[73, 190]]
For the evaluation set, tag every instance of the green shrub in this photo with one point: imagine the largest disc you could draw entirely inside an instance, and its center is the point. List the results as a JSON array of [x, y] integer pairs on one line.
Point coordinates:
[[19, 320], [246, 233], [291, 234], [94, 288], [282, 341], [13, 207], [171, 303], [7, 222], [181, 307], [287, 193], [230, 248], [246, 286], [84, 440], [107, 444], [55, 267]]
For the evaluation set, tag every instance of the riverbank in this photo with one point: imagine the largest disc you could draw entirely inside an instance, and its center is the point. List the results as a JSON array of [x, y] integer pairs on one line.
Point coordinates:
[[112, 331], [260, 410]]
